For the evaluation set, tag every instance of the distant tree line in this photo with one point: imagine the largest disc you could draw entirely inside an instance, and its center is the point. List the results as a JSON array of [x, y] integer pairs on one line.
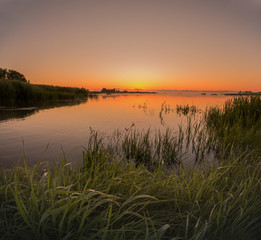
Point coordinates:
[[114, 90], [12, 75], [105, 90], [14, 88], [15, 91]]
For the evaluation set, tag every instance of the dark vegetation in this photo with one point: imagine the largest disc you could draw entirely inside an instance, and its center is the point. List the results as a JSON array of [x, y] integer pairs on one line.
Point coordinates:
[[15, 89], [114, 90], [244, 93], [237, 123], [11, 75], [133, 186]]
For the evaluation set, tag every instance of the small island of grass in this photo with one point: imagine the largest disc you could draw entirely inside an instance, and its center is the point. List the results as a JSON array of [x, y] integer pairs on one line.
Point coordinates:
[[114, 90]]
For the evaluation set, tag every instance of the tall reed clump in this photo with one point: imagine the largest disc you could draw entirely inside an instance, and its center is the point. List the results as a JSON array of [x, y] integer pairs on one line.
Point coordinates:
[[147, 148], [237, 123], [167, 148]]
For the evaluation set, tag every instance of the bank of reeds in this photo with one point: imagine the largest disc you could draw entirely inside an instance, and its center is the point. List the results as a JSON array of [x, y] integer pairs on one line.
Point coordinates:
[[237, 123], [15, 91], [120, 191]]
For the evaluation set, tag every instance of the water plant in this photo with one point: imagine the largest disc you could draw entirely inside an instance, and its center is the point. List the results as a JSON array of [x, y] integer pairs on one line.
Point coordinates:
[[238, 122], [120, 191], [187, 110]]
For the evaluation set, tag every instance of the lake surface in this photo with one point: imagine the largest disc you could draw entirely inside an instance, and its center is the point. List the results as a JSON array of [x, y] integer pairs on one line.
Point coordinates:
[[65, 129]]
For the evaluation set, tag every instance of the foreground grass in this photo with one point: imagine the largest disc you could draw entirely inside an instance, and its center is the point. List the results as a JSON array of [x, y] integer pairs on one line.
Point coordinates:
[[107, 197]]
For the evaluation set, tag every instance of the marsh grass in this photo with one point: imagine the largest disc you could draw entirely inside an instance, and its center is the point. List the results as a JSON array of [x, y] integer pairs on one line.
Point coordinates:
[[181, 110], [187, 110], [106, 199], [15, 91], [151, 148], [238, 123], [121, 190]]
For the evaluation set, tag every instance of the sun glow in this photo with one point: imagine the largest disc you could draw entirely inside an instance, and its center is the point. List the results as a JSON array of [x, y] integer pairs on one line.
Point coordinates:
[[137, 77]]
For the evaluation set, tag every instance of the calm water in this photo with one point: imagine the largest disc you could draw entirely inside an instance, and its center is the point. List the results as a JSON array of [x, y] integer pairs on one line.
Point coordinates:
[[65, 129]]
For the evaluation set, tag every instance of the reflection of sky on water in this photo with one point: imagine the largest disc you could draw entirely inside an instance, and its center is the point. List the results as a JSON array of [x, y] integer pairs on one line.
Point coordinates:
[[68, 128]]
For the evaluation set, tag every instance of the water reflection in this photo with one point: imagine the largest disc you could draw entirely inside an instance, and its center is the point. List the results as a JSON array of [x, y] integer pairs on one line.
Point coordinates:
[[16, 113], [22, 110], [67, 124], [165, 109]]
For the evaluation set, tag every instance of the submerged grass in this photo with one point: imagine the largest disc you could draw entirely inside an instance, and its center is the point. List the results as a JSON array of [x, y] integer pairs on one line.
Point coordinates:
[[125, 190], [150, 148]]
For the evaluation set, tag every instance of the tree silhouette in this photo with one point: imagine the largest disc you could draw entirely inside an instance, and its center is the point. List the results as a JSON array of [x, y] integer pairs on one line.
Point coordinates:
[[14, 75], [3, 72], [113, 90]]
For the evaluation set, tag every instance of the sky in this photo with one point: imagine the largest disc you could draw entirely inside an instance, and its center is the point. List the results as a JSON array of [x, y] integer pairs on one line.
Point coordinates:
[[129, 44]]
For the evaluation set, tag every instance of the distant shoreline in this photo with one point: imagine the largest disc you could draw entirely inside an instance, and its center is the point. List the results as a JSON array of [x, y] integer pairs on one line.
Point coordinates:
[[124, 92], [114, 90], [243, 94]]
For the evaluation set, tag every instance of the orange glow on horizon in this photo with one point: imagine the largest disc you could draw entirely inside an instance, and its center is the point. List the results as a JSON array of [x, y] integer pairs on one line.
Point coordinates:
[[148, 84]]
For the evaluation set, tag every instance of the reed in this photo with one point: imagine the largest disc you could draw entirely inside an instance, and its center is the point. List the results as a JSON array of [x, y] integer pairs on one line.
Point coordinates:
[[187, 110], [125, 189], [16, 91], [150, 148], [237, 123]]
